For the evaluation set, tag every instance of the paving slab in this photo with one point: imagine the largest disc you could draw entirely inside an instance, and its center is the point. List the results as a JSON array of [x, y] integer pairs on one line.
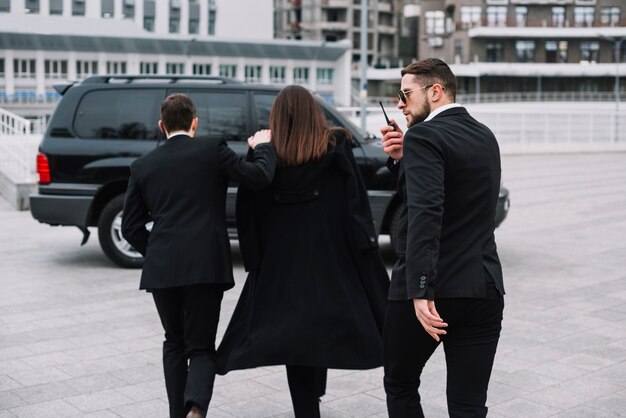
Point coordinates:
[[77, 339]]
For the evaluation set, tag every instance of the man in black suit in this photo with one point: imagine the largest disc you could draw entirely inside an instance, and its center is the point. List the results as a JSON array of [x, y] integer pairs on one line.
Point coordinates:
[[449, 176], [181, 187]]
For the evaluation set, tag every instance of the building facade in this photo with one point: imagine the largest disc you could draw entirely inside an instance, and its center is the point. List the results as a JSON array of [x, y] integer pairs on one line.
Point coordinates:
[[334, 20], [538, 46], [163, 17], [37, 52]]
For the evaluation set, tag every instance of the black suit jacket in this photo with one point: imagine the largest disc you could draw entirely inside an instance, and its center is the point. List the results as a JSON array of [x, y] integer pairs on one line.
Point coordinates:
[[181, 186], [449, 180]]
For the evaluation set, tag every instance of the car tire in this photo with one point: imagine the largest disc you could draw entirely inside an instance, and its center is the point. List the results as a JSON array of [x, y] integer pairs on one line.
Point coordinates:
[[393, 229], [110, 236]]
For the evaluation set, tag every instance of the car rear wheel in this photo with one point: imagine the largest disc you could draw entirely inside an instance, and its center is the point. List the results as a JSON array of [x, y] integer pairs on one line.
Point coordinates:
[[110, 236]]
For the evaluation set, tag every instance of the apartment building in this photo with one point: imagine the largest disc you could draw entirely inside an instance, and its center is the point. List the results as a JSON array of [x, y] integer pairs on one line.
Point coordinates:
[[334, 20], [538, 46]]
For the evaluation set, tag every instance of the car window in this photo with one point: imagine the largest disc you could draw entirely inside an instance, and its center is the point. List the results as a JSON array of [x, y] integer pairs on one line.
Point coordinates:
[[221, 114], [263, 103], [119, 114]]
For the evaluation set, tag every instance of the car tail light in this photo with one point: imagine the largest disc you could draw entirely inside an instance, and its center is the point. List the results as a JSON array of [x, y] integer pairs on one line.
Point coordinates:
[[43, 169]]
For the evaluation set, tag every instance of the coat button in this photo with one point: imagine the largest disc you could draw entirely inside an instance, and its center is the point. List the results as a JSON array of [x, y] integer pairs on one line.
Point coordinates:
[[372, 239], [316, 192]]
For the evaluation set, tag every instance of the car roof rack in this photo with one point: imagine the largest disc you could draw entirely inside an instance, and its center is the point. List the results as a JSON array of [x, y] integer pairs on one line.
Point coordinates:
[[171, 79]]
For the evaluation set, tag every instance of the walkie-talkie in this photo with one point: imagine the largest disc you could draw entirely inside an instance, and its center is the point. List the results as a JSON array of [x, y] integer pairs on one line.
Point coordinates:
[[389, 123]]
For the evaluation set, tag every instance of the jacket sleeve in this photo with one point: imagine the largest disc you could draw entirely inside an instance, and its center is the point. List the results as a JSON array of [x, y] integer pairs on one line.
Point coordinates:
[[393, 165], [135, 217], [256, 173], [424, 165]]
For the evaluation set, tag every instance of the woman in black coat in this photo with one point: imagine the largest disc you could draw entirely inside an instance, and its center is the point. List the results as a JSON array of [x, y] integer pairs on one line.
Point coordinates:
[[315, 297]]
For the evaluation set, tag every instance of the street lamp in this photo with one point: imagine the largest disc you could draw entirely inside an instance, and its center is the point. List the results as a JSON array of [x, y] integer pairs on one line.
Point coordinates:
[[617, 45]]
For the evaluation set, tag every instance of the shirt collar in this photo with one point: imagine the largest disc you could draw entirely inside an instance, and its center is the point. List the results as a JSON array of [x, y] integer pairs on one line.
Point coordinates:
[[441, 109]]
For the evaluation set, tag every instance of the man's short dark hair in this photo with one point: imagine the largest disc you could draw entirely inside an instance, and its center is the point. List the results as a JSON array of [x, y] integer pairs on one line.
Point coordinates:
[[433, 70], [177, 112]]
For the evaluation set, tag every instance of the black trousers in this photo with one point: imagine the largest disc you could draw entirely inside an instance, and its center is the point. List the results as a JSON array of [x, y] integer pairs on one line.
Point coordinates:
[[306, 385], [189, 315], [470, 346]]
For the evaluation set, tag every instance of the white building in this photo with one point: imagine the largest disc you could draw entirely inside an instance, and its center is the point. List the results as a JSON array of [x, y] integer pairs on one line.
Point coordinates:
[[252, 19], [38, 51]]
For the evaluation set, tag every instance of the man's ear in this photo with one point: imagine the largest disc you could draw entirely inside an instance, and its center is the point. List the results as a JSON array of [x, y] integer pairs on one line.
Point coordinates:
[[437, 92], [162, 127], [194, 125]]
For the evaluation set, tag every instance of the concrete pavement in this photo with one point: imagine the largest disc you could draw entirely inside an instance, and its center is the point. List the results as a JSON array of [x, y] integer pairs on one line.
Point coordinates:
[[78, 339]]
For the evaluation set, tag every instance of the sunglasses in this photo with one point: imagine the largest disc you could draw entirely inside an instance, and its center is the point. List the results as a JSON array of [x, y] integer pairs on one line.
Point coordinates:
[[404, 94]]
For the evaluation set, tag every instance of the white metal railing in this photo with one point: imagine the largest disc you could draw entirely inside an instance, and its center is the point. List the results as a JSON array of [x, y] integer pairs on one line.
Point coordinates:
[[523, 126], [18, 155], [529, 96], [12, 124]]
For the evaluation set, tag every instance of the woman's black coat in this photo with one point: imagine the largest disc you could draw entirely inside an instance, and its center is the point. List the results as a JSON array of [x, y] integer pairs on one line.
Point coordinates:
[[317, 288]]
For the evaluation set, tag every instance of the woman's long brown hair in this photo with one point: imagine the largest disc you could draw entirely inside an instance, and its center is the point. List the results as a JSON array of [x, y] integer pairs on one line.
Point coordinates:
[[298, 126]]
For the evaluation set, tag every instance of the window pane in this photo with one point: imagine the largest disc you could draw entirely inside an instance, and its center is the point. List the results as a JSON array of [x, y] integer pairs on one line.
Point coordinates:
[[221, 115], [122, 114], [263, 103]]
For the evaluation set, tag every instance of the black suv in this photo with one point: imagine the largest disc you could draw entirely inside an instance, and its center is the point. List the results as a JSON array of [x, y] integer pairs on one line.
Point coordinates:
[[105, 122]]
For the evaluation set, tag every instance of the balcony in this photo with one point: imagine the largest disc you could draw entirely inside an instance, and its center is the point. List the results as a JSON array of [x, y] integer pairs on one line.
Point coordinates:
[[385, 7], [334, 26], [542, 29], [336, 3]]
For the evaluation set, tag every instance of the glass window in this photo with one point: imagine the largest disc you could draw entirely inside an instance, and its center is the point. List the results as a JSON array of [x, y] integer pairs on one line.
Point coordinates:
[[174, 25], [495, 52], [325, 76], [175, 68], [470, 16], [148, 23], [107, 8], [558, 16], [253, 73], [521, 16], [2, 67], [609, 16], [119, 114], [78, 7], [221, 115], [56, 7], [263, 103], [228, 70], [55, 69], [212, 13], [148, 68], [589, 51], [583, 16], [5, 6], [31, 6], [201, 69], [86, 68], [277, 75], [301, 75], [435, 22], [525, 51], [116, 67], [24, 68], [556, 51], [194, 26], [496, 15], [128, 9]]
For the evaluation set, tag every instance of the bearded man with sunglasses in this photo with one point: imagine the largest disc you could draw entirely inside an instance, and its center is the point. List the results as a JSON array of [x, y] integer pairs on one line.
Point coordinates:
[[446, 285]]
